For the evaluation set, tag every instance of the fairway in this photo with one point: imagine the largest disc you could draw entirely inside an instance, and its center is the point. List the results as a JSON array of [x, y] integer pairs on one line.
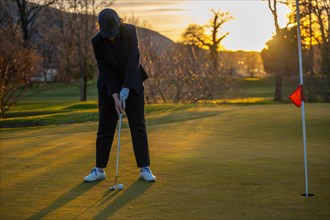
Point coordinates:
[[211, 162]]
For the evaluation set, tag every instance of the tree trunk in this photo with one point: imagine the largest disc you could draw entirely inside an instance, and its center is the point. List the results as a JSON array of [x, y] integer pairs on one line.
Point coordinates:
[[83, 95], [83, 75], [278, 88], [83, 87], [24, 21], [312, 80]]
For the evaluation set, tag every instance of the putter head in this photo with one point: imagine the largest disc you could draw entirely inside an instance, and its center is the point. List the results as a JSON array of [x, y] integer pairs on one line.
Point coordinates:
[[112, 187]]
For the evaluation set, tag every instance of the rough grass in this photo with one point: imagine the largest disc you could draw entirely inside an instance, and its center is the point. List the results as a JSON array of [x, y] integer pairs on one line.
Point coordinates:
[[211, 162]]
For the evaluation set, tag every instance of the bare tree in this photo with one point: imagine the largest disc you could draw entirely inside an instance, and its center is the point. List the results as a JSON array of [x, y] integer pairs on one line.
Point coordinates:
[[272, 4], [17, 62], [75, 31], [28, 11], [314, 20], [156, 62], [195, 35], [179, 74], [81, 34]]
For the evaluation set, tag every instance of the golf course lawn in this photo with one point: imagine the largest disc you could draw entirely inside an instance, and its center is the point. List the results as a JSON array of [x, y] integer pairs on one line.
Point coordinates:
[[211, 162]]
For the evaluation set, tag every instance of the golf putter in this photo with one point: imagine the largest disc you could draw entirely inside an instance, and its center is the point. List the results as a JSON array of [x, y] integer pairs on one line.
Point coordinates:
[[118, 152]]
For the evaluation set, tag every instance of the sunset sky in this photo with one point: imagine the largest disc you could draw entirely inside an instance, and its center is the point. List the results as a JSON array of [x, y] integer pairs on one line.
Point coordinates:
[[252, 27]]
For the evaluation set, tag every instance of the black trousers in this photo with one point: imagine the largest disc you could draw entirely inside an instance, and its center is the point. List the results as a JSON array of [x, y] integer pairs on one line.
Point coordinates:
[[108, 118]]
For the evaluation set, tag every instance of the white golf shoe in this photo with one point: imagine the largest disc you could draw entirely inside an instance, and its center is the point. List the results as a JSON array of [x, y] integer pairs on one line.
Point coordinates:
[[95, 175], [147, 175]]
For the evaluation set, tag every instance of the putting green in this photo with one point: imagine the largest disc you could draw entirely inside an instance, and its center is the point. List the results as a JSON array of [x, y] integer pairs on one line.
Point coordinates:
[[211, 162]]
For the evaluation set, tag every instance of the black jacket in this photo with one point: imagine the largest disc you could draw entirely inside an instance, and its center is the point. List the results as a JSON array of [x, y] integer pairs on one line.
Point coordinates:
[[118, 62]]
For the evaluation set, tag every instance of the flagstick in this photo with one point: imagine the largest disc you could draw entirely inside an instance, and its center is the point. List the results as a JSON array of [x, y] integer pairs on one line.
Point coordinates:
[[303, 101], [305, 147]]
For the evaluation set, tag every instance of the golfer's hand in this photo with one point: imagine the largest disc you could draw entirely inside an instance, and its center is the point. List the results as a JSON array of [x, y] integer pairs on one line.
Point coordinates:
[[118, 105], [123, 95]]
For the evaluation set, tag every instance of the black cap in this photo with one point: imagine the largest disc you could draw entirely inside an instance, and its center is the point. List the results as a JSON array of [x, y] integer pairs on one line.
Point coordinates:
[[109, 22]]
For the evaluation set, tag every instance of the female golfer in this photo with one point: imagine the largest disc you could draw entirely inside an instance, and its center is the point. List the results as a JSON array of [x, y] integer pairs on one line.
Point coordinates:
[[120, 87]]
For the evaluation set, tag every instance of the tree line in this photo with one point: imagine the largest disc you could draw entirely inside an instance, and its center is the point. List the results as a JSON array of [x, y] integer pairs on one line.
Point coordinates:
[[281, 54], [35, 37]]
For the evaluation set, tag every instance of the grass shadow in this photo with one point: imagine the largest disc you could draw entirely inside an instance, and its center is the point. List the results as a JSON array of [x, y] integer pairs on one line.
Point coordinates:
[[107, 196], [128, 195], [75, 192]]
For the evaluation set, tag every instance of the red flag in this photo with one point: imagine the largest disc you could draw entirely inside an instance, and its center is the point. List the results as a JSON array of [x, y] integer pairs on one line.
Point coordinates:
[[297, 96]]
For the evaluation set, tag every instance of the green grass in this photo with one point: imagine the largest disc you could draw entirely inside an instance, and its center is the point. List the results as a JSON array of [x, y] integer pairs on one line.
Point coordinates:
[[256, 87], [58, 103], [211, 162], [61, 98], [237, 161]]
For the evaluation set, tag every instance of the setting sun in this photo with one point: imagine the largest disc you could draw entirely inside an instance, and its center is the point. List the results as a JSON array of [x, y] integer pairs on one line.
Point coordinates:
[[252, 26]]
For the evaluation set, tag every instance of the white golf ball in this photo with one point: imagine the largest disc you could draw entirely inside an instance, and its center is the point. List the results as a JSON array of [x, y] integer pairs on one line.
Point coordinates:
[[120, 186]]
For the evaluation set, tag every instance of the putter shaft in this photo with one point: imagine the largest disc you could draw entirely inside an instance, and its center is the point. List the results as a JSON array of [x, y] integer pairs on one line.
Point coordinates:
[[118, 152]]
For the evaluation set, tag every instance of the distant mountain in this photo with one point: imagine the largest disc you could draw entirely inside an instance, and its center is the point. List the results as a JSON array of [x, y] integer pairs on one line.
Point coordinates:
[[51, 18], [159, 41]]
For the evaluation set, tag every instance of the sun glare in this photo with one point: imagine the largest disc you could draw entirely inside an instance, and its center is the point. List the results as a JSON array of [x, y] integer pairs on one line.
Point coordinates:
[[252, 27]]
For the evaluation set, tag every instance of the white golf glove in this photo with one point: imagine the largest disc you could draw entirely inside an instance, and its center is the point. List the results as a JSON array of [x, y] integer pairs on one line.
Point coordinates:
[[123, 95]]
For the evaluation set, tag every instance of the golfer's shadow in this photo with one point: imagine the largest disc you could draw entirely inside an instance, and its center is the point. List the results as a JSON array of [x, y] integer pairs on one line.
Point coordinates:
[[72, 194], [126, 195]]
